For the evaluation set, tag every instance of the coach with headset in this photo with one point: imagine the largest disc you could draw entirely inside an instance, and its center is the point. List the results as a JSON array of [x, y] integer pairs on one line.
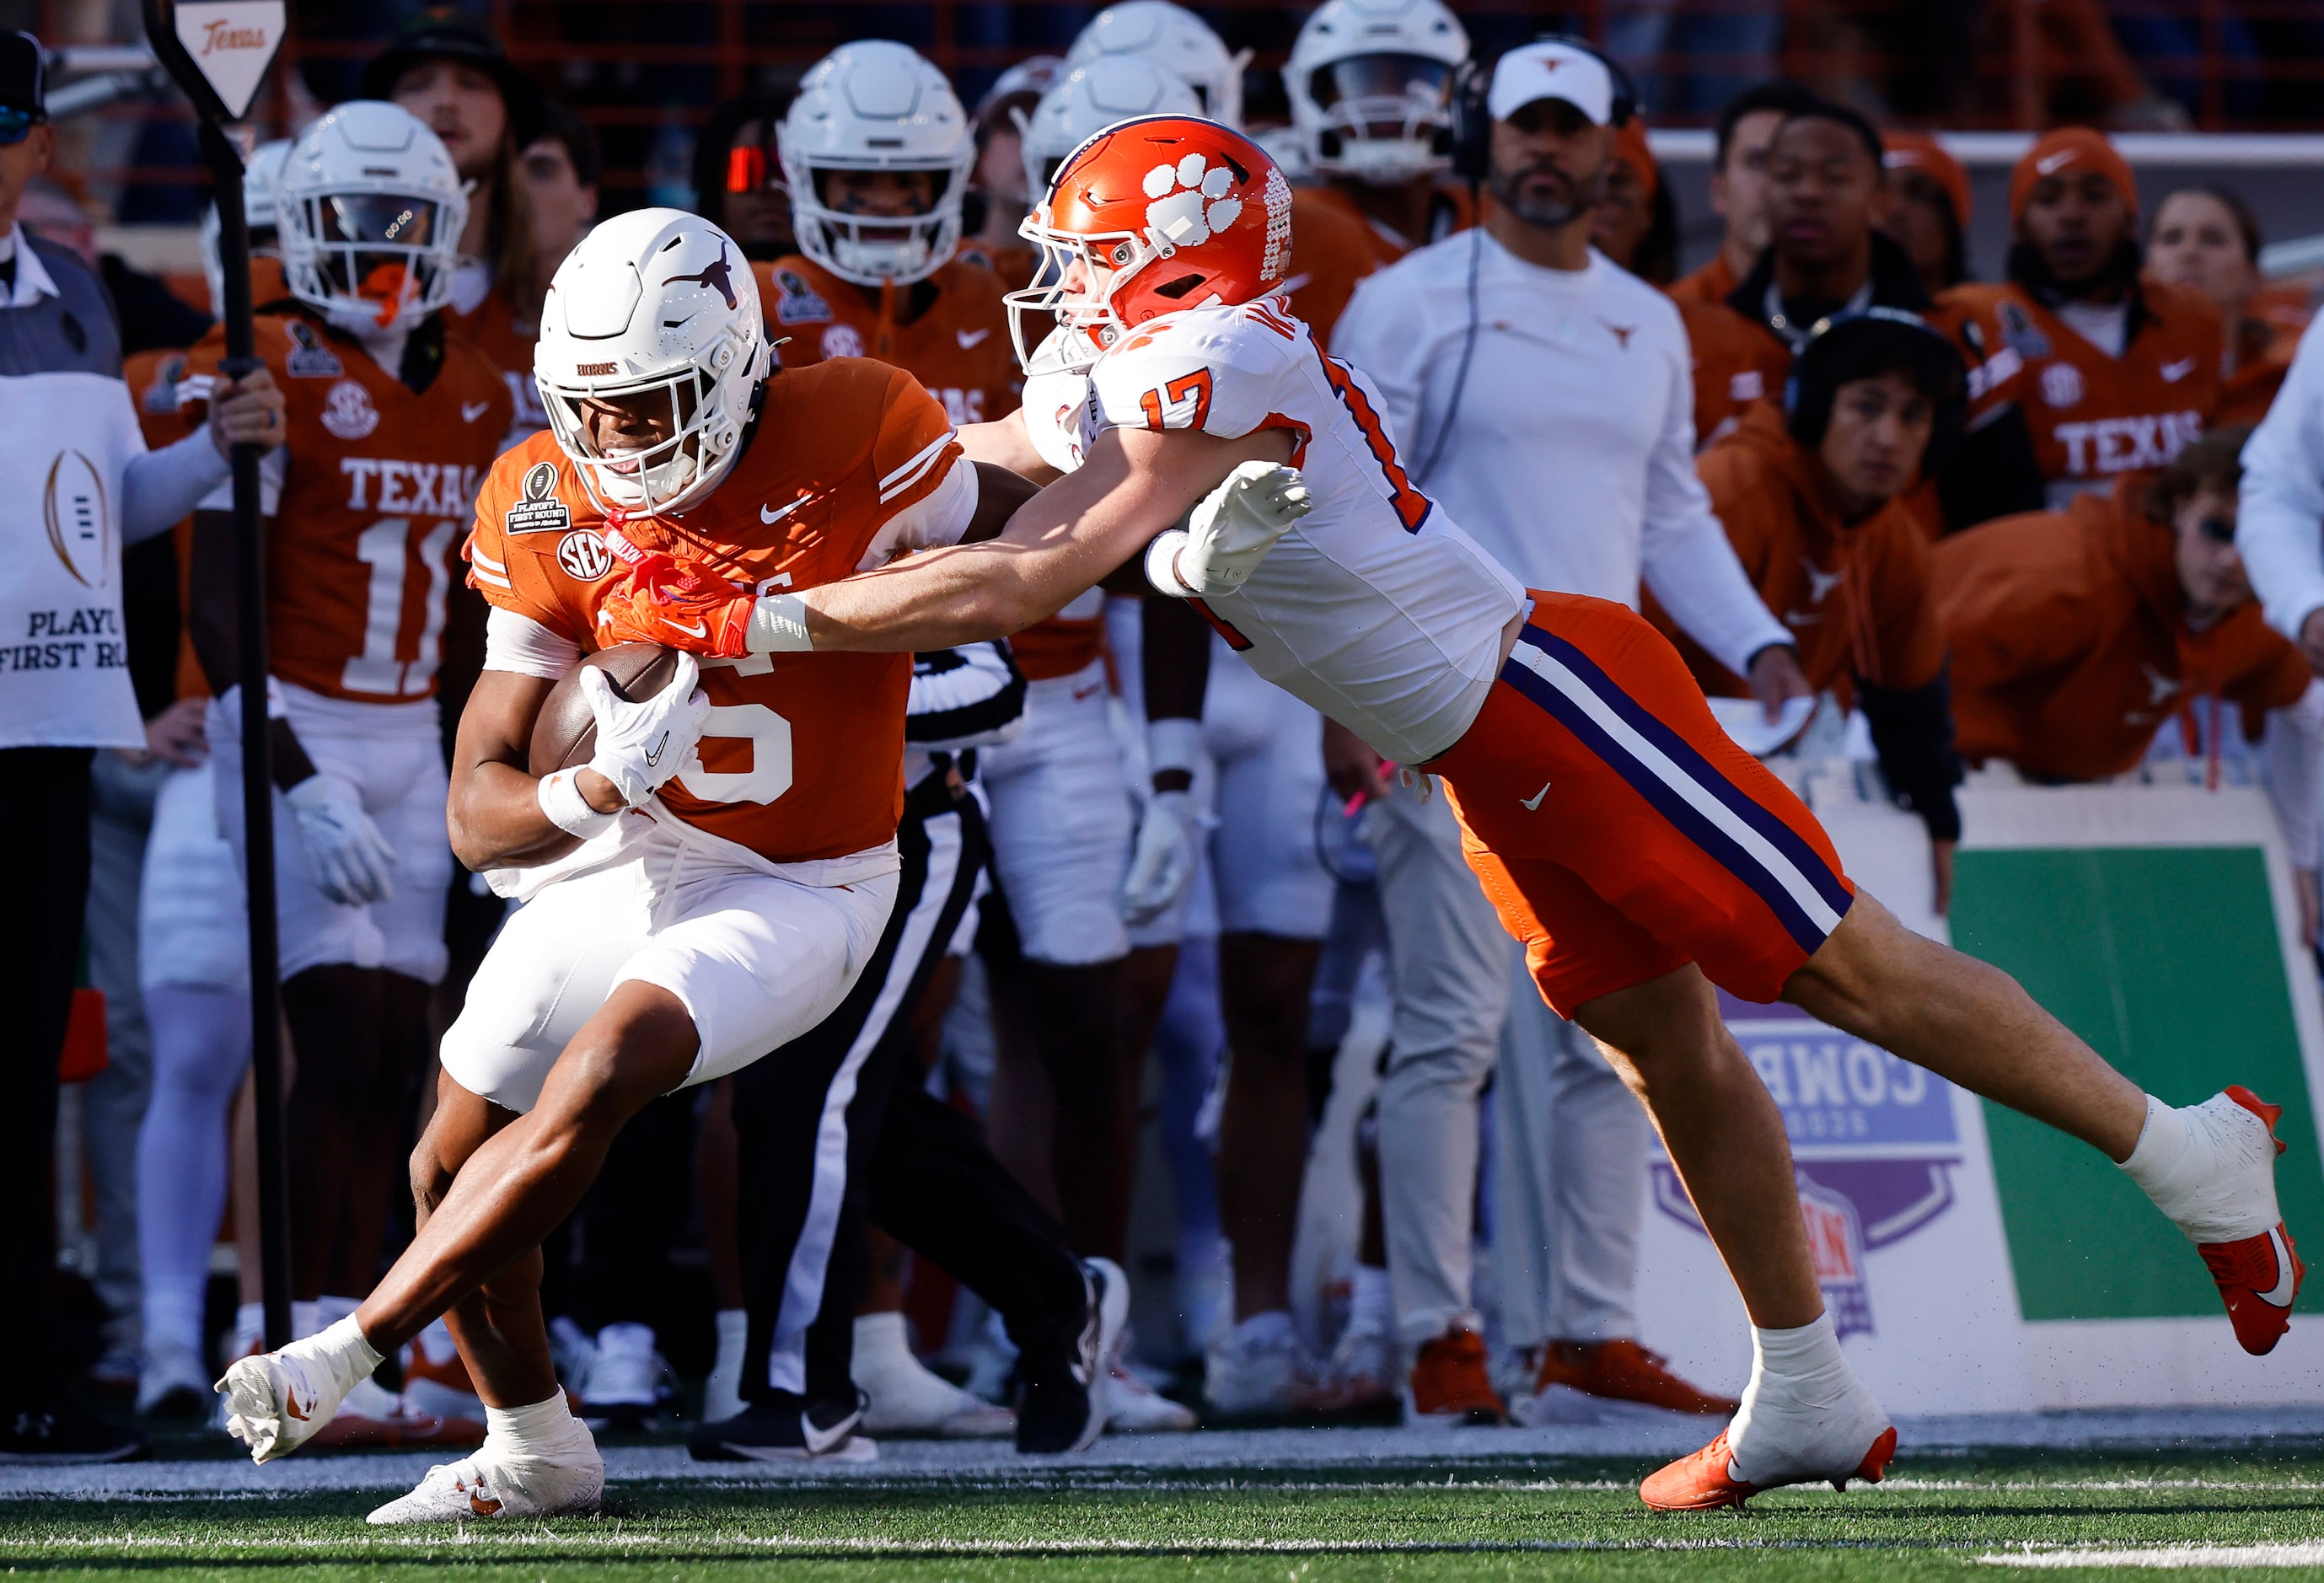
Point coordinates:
[[1544, 395]]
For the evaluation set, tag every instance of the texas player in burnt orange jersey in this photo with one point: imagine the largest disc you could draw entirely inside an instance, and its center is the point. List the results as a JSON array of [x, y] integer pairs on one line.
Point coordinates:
[[735, 861], [2107, 374], [392, 423]]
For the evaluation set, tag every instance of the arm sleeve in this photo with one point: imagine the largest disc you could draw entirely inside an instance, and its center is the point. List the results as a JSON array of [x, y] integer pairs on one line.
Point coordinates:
[[518, 643], [1912, 733], [2292, 764], [160, 488], [972, 697], [2280, 525], [1688, 562]]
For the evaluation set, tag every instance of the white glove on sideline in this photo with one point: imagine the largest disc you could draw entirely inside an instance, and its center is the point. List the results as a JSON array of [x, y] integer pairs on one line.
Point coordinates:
[[1162, 860], [351, 858], [642, 745], [1229, 532]]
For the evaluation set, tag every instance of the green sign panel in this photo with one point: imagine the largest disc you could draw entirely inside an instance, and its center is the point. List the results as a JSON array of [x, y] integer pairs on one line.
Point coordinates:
[[2167, 960]]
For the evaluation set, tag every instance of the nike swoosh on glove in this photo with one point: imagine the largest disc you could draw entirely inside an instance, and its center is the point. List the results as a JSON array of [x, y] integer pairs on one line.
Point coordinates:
[[1162, 861], [643, 744], [662, 602], [351, 858], [1229, 532]]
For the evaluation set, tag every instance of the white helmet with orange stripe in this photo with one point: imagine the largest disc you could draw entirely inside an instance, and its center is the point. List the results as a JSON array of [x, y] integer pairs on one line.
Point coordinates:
[[654, 306]]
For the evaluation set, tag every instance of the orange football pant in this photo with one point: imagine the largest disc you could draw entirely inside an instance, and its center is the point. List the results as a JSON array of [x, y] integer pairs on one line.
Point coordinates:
[[1619, 832]]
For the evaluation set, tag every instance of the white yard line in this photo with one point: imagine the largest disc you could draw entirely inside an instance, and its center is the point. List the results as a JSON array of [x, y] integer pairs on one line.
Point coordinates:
[[2168, 1557]]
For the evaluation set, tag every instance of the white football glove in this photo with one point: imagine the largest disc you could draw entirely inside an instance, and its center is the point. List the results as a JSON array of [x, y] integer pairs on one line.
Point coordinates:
[[642, 745], [1162, 861], [1229, 532], [350, 857]]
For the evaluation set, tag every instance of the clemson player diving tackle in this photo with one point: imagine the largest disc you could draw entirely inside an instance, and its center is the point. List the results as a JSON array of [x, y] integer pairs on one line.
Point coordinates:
[[711, 882], [1642, 857]]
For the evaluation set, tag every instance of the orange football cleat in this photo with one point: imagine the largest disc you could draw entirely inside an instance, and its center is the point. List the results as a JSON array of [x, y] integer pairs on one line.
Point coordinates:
[[1449, 1383], [1706, 1482], [1623, 1371], [2259, 1276]]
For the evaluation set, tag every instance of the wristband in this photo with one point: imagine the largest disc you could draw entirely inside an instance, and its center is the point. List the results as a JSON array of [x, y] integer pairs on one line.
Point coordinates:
[[1173, 742], [1162, 563], [569, 810], [777, 625]]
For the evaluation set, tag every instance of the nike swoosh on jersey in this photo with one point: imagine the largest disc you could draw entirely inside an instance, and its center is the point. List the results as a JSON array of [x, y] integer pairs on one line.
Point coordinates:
[[472, 410], [968, 338], [2173, 372], [772, 515], [1534, 802]]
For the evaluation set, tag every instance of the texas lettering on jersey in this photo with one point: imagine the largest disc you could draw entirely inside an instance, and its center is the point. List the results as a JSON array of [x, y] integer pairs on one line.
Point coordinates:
[[802, 756], [379, 481]]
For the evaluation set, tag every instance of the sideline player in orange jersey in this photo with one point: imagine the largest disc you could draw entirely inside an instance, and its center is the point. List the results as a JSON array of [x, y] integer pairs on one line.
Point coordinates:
[[1643, 857], [715, 878], [2207, 238], [394, 421], [1370, 83], [2098, 371]]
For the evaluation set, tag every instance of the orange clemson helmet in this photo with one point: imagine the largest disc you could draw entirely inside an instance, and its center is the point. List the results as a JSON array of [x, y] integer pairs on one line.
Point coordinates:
[[1162, 213]]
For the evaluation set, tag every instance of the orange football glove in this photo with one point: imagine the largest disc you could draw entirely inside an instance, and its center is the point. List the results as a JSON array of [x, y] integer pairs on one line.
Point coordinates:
[[659, 601]]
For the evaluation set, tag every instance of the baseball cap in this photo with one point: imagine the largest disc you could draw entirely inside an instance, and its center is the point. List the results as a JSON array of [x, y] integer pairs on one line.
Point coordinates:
[[1551, 70], [22, 98], [2066, 149], [444, 33]]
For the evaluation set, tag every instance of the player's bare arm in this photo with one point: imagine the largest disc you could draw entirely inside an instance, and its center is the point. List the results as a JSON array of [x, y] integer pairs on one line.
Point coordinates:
[[1133, 487], [495, 813]]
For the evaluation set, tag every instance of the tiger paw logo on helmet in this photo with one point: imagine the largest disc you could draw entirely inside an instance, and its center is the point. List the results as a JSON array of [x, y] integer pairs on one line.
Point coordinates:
[[1190, 201]]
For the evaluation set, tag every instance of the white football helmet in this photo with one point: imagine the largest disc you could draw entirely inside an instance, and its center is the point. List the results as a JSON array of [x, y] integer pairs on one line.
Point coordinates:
[[1175, 39], [1092, 97], [1370, 83], [653, 301], [368, 213], [876, 106], [263, 168]]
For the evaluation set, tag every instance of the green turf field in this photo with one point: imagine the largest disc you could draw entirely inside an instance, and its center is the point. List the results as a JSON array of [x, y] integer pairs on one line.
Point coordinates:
[[1947, 1517]]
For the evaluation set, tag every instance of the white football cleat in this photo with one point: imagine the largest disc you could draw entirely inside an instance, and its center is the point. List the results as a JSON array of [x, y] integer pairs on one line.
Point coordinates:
[[568, 1481], [1256, 1369], [1134, 1407]]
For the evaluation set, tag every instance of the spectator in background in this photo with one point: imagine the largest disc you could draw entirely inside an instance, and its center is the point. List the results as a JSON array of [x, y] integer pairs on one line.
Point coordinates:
[[1812, 498], [1570, 457], [2079, 370], [2077, 635], [561, 169], [1929, 208], [2281, 534], [1739, 185], [1735, 362], [999, 194], [2207, 238], [71, 425], [453, 75], [735, 176]]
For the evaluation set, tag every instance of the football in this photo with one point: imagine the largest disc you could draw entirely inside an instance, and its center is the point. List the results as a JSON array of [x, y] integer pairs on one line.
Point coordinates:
[[565, 733]]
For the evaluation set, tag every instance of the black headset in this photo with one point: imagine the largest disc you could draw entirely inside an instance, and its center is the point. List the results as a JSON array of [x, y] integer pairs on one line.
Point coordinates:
[[1472, 120], [1809, 390], [1472, 154]]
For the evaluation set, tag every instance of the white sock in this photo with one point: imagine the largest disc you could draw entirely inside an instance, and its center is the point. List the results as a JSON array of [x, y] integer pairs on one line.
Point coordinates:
[[1807, 1354], [2209, 1167], [1805, 1410], [543, 1427], [880, 1340], [733, 1326], [1370, 1305], [173, 1311]]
